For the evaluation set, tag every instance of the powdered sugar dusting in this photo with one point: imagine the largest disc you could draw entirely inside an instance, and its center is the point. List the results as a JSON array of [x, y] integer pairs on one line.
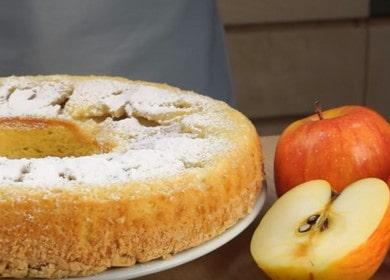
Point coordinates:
[[160, 131], [24, 96]]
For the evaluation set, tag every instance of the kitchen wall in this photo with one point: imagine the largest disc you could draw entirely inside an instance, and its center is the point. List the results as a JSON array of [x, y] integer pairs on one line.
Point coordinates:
[[287, 54]]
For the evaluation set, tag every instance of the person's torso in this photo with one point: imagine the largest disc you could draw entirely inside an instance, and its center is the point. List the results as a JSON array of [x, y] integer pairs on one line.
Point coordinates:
[[179, 42]]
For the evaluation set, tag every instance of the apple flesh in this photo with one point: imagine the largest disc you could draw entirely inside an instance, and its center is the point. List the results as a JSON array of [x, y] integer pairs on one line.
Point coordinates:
[[340, 146], [309, 233]]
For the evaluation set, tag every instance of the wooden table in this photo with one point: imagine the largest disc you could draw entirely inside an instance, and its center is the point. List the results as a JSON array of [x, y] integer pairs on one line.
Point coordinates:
[[233, 260]]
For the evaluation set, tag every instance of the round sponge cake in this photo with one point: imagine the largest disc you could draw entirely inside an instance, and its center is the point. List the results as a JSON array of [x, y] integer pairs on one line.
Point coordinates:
[[99, 172]]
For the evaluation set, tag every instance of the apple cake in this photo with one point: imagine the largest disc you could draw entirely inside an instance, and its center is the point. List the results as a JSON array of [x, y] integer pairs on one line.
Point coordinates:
[[99, 172]]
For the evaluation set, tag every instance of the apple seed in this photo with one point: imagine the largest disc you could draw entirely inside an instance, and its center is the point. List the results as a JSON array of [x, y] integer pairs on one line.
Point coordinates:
[[304, 228], [312, 219], [324, 225]]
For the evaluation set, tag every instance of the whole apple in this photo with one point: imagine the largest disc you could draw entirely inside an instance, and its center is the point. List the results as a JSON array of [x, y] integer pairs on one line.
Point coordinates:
[[341, 145]]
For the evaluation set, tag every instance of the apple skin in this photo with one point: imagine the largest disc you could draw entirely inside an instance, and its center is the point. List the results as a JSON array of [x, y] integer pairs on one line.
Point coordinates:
[[348, 144]]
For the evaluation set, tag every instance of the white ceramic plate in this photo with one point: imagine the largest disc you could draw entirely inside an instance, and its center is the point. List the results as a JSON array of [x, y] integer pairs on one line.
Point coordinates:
[[139, 270]]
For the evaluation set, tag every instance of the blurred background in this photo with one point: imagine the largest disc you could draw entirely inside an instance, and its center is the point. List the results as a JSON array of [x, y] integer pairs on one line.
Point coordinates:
[[285, 55]]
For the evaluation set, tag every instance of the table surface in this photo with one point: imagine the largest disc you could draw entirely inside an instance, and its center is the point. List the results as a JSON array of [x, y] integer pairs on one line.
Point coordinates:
[[233, 260]]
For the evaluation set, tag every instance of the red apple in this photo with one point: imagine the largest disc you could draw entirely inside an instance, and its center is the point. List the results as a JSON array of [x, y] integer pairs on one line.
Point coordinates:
[[341, 145]]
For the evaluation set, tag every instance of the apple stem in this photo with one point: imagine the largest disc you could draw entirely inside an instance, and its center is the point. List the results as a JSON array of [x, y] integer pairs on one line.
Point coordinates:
[[318, 109], [334, 195]]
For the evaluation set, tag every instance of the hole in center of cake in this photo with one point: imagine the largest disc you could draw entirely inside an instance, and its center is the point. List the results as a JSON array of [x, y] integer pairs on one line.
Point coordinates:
[[38, 138]]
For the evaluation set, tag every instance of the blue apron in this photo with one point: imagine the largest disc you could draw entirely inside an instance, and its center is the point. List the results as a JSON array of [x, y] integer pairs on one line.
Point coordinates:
[[179, 42]]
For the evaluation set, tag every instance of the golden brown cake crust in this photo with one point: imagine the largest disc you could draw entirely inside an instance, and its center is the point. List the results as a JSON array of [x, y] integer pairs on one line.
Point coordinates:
[[63, 232]]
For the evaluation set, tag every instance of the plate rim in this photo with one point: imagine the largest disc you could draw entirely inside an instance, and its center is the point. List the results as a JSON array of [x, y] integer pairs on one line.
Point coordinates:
[[158, 265]]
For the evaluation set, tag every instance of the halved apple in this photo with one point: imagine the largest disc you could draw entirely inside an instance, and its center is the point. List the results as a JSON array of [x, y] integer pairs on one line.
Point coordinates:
[[313, 233]]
